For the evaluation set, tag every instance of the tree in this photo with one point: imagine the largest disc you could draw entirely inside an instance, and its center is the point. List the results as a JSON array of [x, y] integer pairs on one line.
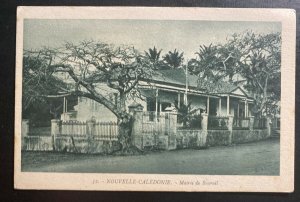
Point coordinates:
[[187, 115], [82, 67], [153, 54], [254, 57], [173, 59], [37, 81], [259, 63], [206, 63]]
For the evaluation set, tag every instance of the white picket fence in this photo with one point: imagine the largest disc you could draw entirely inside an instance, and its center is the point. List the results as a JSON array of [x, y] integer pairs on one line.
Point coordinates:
[[106, 131], [98, 130], [74, 128]]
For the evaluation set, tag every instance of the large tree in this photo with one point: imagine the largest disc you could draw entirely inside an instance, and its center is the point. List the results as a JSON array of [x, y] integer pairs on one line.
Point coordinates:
[[38, 81], [256, 58], [260, 64], [79, 69]]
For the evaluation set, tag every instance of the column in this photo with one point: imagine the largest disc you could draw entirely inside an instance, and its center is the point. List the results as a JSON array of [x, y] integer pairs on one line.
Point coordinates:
[[25, 128], [268, 126], [247, 107], [238, 110], [230, 125], [220, 106], [90, 128], [156, 101], [245, 115], [24, 133], [55, 131], [251, 122], [178, 99], [228, 105], [137, 129], [207, 106], [204, 122], [202, 136], [172, 131], [64, 107]]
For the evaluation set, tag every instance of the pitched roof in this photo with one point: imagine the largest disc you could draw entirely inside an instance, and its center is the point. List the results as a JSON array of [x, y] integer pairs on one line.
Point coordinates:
[[178, 77], [224, 87], [175, 76]]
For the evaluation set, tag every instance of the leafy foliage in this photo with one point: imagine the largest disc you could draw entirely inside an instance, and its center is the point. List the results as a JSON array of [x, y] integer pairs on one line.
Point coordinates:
[[79, 69], [83, 66], [173, 59], [206, 64], [188, 116], [253, 57], [153, 54], [39, 81]]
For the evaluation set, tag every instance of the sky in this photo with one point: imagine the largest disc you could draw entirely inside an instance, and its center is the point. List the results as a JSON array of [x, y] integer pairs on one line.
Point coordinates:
[[185, 36]]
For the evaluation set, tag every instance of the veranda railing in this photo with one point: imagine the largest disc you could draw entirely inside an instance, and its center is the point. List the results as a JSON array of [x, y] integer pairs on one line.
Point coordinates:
[[217, 123], [241, 123]]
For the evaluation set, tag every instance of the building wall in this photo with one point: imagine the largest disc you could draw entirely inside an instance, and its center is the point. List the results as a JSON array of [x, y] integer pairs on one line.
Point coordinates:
[[87, 108], [233, 104]]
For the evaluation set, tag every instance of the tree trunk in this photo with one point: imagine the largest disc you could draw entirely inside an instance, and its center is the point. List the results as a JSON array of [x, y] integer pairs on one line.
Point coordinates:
[[122, 105], [125, 127], [124, 123]]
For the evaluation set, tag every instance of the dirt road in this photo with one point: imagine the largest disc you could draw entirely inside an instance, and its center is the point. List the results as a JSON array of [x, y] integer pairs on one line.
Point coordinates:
[[258, 158]]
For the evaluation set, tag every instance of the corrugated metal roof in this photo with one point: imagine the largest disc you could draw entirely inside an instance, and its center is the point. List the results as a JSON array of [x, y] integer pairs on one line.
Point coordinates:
[[175, 76], [178, 77]]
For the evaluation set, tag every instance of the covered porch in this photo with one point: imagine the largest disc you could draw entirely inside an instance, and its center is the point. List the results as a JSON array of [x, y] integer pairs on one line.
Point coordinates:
[[213, 104], [236, 104]]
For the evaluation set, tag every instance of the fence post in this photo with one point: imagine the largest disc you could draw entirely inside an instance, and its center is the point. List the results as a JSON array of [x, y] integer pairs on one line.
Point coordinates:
[[251, 123], [230, 125], [172, 130], [24, 132], [268, 126], [55, 130], [137, 128], [90, 128], [202, 137]]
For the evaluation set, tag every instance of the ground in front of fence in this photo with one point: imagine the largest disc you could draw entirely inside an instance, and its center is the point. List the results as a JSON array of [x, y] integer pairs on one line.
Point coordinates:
[[257, 158]]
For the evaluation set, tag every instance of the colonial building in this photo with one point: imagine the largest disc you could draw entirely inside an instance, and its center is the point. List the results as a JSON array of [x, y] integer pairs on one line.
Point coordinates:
[[166, 88]]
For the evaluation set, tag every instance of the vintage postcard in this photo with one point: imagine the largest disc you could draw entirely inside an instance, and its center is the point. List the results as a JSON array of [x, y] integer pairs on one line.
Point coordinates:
[[155, 99]]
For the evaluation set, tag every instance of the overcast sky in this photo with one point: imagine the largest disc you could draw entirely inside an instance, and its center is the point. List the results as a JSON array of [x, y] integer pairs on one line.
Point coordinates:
[[185, 36]]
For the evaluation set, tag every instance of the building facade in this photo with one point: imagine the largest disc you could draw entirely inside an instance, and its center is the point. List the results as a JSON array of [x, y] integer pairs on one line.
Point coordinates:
[[167, 88]]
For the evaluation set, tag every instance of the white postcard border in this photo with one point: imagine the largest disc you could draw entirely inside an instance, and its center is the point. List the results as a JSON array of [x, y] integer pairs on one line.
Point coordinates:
[[146, 182]]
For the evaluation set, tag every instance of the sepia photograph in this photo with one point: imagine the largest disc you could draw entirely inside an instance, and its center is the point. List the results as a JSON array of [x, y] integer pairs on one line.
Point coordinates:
[[142, 102]]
